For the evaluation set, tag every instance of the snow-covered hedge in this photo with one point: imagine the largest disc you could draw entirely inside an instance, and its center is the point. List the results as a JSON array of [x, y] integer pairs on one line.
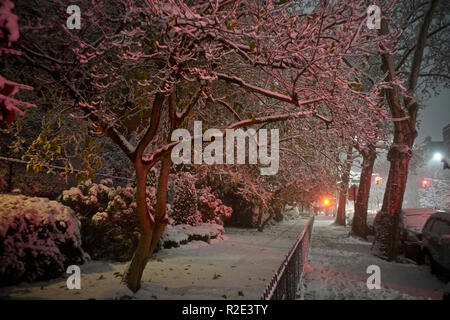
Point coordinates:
[[39, 238], [176, 235]]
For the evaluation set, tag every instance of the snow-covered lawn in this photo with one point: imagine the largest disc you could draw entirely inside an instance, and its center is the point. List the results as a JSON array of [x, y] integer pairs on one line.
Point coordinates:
[[338, 264], [239, 267]]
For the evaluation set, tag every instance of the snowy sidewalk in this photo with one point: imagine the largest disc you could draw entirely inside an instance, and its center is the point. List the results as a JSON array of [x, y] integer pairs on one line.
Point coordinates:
[[337, 270], [238, 267]]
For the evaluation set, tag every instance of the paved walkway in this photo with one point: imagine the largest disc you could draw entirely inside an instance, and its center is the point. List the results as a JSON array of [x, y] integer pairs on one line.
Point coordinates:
[[238, 267]]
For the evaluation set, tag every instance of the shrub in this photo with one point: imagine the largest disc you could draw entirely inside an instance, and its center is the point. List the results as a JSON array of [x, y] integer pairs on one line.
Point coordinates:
[[185, 201], [39, 239], [108, 217], [211, 208], [243, 212]]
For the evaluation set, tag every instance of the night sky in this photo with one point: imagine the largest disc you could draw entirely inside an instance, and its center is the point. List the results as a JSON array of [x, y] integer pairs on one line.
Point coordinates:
[[435, 116]]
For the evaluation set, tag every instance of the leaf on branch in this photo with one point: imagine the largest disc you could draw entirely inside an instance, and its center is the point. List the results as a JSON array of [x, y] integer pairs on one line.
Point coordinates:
[[252, 45]]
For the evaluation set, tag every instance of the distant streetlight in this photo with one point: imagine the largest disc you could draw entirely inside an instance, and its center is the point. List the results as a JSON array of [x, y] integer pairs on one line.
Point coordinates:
[[425, 183], [378, 180], [437, 156]]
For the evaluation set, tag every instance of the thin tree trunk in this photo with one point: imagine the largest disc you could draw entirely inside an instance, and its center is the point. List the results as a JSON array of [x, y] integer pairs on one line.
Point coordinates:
[[152, 228], [133, 275], [340, 216], [161, 218], [362, 200]]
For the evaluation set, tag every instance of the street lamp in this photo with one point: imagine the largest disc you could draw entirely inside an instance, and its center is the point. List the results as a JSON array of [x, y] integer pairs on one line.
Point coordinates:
[[437, 156]]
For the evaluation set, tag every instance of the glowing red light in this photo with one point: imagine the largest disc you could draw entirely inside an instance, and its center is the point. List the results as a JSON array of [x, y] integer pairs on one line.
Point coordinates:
[[426, 183]]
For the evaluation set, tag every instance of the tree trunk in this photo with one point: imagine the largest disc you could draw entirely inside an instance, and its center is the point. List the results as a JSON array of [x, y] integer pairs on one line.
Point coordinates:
[[152, 228], [133, 274], [386, 224], [161, 218], [362, 200], [340, 216]]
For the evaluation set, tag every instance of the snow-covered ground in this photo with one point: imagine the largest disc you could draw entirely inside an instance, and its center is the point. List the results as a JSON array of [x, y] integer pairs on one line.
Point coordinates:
[[338, 265], [239, 267]]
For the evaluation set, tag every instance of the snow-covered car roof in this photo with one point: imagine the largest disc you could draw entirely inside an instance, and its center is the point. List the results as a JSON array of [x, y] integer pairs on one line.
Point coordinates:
[[413, 211], [415, 218], [442, 215]]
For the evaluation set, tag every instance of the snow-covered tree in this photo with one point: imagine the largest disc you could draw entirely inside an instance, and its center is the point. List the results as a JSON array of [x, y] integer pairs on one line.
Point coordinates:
[[136, 71], [185, 208], [421, 55]]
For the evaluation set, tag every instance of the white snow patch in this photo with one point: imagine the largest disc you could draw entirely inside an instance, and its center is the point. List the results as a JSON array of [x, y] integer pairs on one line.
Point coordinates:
[[338, 264]]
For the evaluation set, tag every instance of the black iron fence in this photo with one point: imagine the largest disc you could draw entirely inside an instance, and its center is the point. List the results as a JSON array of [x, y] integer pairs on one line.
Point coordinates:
[[285, 282]]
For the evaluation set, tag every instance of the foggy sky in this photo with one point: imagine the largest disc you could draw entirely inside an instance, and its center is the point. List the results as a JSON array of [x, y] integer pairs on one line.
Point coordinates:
[[434, 117]]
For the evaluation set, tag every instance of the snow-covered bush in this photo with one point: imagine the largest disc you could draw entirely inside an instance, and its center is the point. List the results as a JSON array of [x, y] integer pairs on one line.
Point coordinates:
[[108, 217], [243, 211], [211, 208], [107, 214], [185, 201], [87, 198], [39, 239]]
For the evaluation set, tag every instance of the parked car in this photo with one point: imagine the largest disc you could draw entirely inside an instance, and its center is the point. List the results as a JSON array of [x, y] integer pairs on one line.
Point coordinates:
[[411, 225], [436, 243], [446, 295]]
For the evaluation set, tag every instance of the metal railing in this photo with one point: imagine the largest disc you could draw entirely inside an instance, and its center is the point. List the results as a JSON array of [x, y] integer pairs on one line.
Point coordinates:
[[285, 281]]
